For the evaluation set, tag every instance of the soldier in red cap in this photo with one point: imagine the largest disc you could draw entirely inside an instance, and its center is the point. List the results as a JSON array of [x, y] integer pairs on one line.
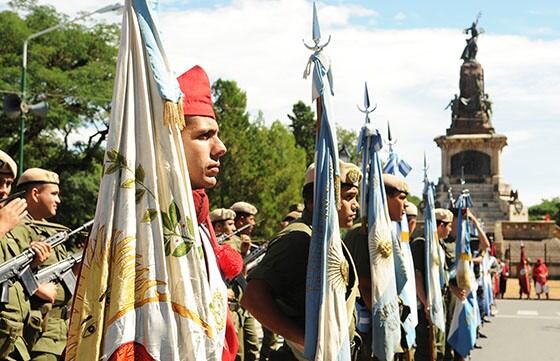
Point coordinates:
[[204, 149]]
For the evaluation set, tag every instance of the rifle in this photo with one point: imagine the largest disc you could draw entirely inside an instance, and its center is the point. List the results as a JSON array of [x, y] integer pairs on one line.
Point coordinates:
[[61, 272], [11, 197], [20, 266], [224, 237], [253, 258]]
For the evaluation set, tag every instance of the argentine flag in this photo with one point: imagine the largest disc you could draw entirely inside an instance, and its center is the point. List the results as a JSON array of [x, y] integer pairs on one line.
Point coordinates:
[[433, 259], [326, 320], [462, 331], [406, 283], [385, 309]]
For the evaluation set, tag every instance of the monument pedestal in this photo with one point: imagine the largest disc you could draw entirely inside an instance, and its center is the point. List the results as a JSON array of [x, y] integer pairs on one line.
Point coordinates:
[[471, 154]]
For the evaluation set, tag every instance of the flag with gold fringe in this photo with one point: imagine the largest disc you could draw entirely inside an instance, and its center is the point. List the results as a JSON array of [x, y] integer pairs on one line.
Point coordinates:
[[385, 320], [326, 319], [149, 287]]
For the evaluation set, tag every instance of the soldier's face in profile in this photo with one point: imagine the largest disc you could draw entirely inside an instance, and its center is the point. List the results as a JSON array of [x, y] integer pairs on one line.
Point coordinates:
[[203, 150], [6, 181], [229, 226], [45, 201], [349, 206], [396, 204]]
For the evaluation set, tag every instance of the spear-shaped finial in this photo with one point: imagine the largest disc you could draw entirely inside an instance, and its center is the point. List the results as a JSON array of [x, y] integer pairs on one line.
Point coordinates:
[[316, 33], [425, 166], [367, 105], [390, 140], [316, 29]]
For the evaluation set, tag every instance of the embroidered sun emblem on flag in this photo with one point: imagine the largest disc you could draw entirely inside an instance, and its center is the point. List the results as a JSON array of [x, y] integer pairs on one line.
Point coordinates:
[[217, 307], [384, 248], [338, 269]]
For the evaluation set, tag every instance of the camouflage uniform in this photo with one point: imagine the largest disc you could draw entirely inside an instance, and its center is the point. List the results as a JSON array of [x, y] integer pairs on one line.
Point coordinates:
[[51, 341], [15, 314], [245, 323]]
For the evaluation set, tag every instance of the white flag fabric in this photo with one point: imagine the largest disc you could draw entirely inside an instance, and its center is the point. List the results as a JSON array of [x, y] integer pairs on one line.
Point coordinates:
[[149, 287]]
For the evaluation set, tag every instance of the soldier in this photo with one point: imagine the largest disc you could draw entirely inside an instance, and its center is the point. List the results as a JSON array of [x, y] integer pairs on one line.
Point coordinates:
[[15, 315], [444, 218], [204, 148], [411, 215], [223, 221], [42, 195], [270, 339], [290, 217], [357, 242], [275, 294], [246, 324]]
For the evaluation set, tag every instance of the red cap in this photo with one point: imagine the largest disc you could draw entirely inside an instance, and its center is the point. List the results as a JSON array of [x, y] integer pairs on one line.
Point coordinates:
[[195, 86]]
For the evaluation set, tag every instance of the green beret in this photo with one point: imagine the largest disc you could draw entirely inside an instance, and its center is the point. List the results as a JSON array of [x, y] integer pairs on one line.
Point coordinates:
[[37, 175]]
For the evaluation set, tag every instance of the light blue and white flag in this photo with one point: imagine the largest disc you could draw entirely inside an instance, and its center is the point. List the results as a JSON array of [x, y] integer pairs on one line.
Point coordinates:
[[406, 283], [385, 310], [326, 319], [462, 331], [432, 257]]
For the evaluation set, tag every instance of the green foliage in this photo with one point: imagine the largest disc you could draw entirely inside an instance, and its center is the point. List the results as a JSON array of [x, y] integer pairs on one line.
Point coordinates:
[[263, 165], [76, 79], [547, 206], [414, 199], [348, 144], [304, 128]]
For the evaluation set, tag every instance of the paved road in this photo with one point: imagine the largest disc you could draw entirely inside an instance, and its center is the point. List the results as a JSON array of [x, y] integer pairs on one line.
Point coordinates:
[[522, 330]]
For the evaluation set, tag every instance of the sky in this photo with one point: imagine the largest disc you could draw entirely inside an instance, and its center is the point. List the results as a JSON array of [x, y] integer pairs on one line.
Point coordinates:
[[407, 51]]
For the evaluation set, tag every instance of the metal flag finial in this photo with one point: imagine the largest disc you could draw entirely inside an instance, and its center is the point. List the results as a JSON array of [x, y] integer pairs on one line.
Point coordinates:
[[425, 166], [316, 33], [367, 106], [390, 140]]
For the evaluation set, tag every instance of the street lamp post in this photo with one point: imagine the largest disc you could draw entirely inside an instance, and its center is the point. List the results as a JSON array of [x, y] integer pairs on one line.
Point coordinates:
[[23, 80]]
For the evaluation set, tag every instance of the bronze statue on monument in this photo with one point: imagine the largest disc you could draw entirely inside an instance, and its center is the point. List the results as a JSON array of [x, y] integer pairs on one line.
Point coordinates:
[[469, 53]]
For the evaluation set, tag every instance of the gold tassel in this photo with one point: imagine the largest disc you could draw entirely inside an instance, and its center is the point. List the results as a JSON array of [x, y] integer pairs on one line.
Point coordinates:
[[337, 192], [180, 114], [173, 114]]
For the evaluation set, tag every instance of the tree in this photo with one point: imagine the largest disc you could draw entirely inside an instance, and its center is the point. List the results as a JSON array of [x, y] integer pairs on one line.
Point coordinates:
[[263, 166], [348, 144], [547, 206], [304, 128], [76, 79]]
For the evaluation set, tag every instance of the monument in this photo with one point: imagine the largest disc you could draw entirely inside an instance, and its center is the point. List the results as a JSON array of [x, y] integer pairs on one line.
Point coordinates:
[[471, 150]]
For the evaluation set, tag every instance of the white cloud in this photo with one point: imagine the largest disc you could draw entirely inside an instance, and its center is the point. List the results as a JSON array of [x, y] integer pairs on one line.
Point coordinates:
[[411, 74], [400, 17]]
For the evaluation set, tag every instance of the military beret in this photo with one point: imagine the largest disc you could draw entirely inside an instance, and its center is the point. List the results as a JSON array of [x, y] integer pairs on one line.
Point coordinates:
[[244, 207], [292, 215], [7, 164], [411, 209], [37, 175], [443, 215], [395, 182], [349, 174], [221, 214], [298, 207]]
